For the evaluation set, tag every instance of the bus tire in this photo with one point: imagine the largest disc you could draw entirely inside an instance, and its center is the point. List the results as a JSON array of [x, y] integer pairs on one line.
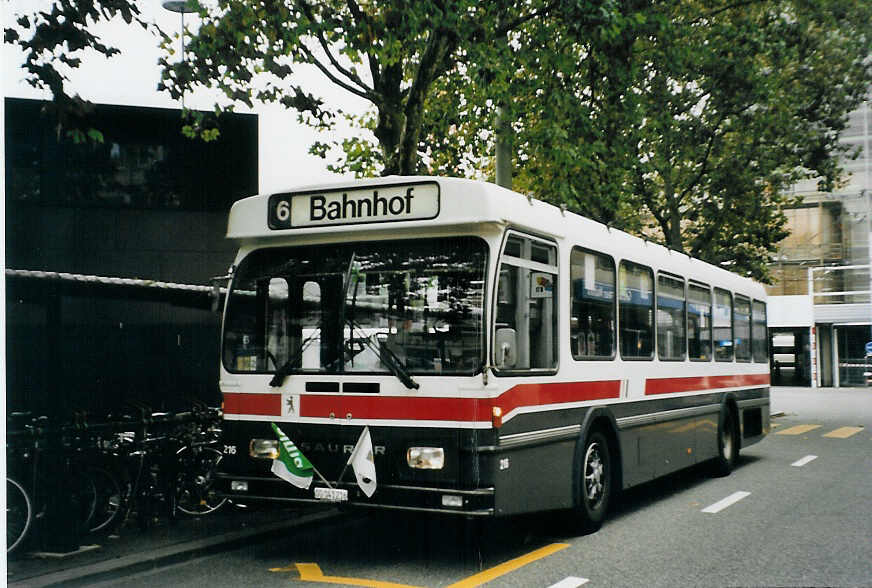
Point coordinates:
[[728, 444], [595, 482]]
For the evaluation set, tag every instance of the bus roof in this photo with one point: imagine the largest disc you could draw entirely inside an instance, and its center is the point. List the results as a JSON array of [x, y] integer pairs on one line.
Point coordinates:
[[402, 202]]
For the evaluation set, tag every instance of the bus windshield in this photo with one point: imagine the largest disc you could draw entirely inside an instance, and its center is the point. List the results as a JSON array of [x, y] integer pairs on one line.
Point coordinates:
[[400, 307]]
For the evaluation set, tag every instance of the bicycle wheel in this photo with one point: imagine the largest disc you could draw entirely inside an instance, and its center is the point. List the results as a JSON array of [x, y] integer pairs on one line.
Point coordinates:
[[19, 514], [195, 482], [87, 490], [109, 500]]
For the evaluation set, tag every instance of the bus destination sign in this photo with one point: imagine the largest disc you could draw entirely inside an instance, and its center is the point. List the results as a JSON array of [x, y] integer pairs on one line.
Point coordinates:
[[376, 204]]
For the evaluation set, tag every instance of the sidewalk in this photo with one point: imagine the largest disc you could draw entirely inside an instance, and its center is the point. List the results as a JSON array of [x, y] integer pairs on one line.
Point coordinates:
[[843, 404], [165, 543]]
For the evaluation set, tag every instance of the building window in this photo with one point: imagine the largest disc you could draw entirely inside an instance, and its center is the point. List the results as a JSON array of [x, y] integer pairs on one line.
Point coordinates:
[[144, 161], [592, 315]]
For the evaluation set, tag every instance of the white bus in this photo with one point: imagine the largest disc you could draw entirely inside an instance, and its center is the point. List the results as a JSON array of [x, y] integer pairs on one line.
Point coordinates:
[[506, 356]]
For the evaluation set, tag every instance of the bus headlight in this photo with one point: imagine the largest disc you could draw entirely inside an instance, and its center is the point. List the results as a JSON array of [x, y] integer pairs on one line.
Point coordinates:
[[426, 458], [264, 448]]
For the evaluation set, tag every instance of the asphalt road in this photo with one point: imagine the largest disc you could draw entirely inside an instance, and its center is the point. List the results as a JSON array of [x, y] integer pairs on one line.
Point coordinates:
[[797, 511]]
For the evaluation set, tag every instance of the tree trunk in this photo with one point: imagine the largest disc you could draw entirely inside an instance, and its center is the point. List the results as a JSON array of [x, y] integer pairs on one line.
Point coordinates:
[[389, 132]]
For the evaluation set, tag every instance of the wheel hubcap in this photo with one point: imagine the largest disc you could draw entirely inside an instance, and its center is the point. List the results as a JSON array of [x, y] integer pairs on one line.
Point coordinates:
[[727, 440], [593, 474]]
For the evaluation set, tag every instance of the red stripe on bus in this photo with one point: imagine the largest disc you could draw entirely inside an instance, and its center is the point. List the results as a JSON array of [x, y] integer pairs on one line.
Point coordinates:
[[702, 383], [557, 393], [390, 407], [455, 409], [260, 404]]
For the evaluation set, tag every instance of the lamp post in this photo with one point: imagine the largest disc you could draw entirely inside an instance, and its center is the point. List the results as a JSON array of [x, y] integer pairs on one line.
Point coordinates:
[[181, 6]]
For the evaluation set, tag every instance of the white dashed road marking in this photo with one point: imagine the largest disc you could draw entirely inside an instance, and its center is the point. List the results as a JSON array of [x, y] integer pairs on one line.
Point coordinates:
[[570, 582], [729, 500], [801, 462]]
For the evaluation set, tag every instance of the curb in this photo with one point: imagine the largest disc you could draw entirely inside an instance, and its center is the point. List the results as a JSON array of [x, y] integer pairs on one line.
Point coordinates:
[[170, 554]]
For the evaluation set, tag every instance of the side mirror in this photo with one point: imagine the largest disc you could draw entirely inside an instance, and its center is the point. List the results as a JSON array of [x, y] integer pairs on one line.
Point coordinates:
[[505, 342], [219, 291]]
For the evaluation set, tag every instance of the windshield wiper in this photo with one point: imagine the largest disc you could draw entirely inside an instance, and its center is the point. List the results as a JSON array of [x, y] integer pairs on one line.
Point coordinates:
[[346, 283], [385, 355], [388, 358], [396, 366], [286, 369]]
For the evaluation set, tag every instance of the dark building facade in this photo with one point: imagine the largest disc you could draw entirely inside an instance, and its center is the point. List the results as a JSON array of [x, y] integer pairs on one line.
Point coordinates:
[[144, 203]]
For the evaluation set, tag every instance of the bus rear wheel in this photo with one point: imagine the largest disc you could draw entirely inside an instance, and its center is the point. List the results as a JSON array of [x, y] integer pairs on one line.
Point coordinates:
[[595, 483], [728, 444]]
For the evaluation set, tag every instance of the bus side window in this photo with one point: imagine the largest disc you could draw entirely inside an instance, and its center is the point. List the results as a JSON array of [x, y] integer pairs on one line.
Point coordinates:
[[670, 318], [699, 323], [742, 328], [592, 305], [723, 325], [759, 338], [636, 308], [526, 314]]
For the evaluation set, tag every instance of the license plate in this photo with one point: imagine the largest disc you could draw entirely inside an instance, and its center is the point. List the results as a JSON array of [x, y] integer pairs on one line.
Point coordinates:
[[331, 494]]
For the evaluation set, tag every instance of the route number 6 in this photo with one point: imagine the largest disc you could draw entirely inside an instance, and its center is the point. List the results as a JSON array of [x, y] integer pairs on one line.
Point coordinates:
[[279, 212], [283, 210]]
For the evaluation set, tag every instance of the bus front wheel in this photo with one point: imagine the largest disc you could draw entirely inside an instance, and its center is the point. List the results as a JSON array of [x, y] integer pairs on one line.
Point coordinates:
[[595, 483]]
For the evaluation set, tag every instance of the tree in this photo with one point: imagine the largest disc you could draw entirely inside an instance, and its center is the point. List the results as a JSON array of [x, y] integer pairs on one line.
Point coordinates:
[[57, 38], [756, 103], [389, 54], [684, 121]]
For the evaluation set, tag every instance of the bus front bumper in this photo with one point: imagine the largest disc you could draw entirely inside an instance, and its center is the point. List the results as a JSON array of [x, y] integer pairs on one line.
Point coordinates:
[[478, 502]]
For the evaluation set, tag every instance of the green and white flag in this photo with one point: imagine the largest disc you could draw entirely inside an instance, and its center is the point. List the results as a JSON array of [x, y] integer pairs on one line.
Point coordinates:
[[291, 465]]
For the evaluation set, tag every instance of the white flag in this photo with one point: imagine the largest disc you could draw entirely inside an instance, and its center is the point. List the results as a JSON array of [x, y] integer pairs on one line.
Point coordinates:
[[363, 464]]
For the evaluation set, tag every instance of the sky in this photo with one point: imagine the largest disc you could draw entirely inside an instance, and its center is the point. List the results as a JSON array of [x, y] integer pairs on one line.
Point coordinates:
[[131, 78]]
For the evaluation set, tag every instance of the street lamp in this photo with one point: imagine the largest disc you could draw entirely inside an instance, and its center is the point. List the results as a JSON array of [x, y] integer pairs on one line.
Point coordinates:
[[181, 6]]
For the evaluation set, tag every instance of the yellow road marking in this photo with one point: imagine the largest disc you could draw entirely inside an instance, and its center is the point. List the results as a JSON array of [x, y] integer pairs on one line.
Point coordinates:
[[511, 565], [844, 432], [311, 572], [798, 430]]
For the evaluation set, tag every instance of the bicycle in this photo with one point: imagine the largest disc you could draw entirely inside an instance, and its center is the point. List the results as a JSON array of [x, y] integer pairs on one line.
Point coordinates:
[[19, 514], [27, 482], [198, 460]]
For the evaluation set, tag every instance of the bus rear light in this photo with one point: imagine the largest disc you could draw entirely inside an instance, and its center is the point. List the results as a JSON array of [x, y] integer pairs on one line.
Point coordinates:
[[238, 486], [426, 458], [264, 448]]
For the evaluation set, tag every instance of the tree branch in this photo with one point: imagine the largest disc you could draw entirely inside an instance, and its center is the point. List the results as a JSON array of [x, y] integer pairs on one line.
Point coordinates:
[[368, 93], [502, 30], [440, 45], [362, 16], [725, 9], [648, 198], [705, 159]]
